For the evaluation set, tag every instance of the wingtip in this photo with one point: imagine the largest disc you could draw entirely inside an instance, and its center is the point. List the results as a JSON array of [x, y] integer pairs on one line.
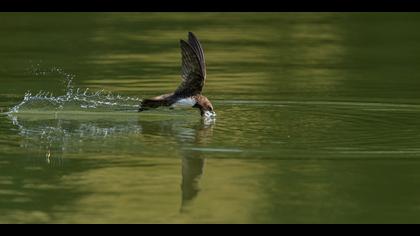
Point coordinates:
[[191, 35]]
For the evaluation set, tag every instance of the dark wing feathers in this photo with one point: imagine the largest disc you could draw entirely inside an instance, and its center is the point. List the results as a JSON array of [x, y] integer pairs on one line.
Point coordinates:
[[193, 67], [195, 43]]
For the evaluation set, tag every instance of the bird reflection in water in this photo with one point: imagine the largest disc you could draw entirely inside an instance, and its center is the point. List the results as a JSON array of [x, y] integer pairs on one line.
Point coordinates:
[[193, 163], [190, 137]]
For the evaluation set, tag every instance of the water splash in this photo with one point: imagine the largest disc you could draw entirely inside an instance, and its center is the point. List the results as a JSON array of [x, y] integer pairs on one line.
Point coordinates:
[[50, 137], [74, 98]]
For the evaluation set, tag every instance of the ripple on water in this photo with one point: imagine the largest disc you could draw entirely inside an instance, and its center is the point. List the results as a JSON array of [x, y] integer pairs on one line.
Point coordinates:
[[245, 126], [340, 128]]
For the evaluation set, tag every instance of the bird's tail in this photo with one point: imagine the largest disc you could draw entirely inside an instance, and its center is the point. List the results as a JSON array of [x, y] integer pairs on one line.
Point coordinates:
[[150, 103]]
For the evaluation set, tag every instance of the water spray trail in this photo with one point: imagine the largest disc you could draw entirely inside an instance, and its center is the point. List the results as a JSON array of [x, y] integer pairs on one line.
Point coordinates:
[[74, 98]]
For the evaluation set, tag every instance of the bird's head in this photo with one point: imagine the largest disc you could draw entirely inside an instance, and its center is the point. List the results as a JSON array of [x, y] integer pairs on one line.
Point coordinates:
[[205, 106]]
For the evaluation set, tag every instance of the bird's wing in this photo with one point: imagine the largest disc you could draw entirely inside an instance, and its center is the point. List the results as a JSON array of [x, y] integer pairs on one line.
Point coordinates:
[[193, 71], [195, 43]]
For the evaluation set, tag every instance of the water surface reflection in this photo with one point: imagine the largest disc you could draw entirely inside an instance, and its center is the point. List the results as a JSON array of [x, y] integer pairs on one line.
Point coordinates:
[[55, 137]]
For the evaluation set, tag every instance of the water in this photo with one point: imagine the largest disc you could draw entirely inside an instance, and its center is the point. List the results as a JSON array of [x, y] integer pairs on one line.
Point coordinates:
[[317, 119]]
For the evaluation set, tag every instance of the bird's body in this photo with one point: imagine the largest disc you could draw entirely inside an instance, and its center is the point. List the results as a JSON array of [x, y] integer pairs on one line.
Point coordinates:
[[193, 76]]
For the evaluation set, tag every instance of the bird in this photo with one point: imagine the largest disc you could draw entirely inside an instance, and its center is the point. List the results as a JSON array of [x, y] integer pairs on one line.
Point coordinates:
[[189, 91]]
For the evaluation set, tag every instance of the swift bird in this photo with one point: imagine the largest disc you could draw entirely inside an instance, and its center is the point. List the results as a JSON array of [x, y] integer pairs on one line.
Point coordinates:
[[193, 75]]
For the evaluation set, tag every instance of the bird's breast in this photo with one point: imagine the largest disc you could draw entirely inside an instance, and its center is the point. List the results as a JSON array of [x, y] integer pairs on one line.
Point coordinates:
[[184, 102]]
